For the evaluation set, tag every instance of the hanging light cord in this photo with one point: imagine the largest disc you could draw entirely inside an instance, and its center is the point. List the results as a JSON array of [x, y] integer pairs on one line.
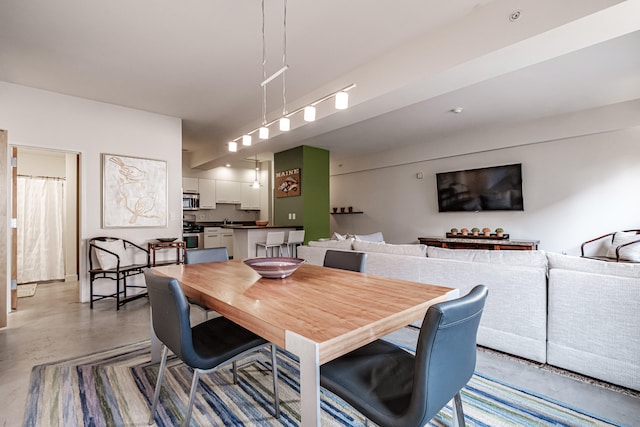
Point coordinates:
[[264, 72], [284, 60]]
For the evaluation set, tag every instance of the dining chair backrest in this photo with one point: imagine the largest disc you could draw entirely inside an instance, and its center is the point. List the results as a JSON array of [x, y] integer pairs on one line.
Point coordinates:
[[170, 315], [275, 238], [296, 236], [445, 353], [393, 388], [345, 260], [196, 256]]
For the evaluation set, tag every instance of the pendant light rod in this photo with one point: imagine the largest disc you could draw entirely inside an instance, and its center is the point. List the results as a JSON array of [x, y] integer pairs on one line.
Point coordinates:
[[274, 75]]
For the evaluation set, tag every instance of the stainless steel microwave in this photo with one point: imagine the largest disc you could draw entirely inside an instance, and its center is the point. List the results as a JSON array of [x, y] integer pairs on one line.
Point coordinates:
[[190, 201]]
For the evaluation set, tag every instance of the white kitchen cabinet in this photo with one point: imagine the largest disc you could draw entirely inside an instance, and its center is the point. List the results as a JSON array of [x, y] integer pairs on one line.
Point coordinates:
[[213, 237], [250, 197], [207, 188], [228, 191], [227, 240], [189, 185]]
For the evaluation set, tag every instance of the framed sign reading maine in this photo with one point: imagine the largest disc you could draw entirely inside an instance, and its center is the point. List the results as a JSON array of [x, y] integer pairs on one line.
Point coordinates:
[[288, 183], [134, 192]]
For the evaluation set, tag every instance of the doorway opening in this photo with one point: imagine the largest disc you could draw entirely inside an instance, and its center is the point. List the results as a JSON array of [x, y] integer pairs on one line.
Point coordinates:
[[45, 200]]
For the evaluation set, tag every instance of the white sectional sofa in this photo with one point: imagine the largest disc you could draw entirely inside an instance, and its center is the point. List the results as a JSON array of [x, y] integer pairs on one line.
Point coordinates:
[[578, 314], [594, 318]]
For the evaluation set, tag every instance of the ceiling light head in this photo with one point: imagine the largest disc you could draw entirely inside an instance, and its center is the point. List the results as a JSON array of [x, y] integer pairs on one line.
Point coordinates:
[[342, 100], [255, 184], [233, 146], [309, 113], [285, 124], [457, 110], [246, 140], [263, 133]]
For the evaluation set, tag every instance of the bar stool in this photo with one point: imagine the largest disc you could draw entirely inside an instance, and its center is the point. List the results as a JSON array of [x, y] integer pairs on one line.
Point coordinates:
[[275, 239], [296, 237]]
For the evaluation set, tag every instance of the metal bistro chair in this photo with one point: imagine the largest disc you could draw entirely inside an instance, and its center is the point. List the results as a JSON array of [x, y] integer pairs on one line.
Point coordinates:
[[345, 260], [275, 239], [205, 347], [196, 256], [115, 259], [391, 387], [295, 238]]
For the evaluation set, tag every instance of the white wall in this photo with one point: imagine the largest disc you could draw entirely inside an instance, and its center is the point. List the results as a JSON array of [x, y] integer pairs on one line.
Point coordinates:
[[41, 119], [577, 185]]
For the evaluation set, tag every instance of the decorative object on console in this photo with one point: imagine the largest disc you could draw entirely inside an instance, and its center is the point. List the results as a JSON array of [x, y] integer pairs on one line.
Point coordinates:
[[454, 231], [491, 236], [486, 231], [464, 231], [475, 231], [499, 232]]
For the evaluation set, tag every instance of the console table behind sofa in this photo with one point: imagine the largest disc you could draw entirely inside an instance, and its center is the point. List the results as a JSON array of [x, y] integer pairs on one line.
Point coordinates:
[[479, 243]]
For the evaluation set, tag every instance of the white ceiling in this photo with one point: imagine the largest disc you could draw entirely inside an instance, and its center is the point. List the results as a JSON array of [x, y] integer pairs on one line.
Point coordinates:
[[412, 61]]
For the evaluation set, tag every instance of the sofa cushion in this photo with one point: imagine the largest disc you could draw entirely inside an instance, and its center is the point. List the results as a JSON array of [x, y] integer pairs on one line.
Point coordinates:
[[587, 265], [515, 258], [628, 253], [334, 244], [411, 250], [108, 261], [375, 237]]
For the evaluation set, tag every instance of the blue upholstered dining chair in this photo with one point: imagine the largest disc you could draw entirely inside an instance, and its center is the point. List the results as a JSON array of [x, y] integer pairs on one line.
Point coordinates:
[[196, 256], [205, 347], [345, 260], [392, 387]]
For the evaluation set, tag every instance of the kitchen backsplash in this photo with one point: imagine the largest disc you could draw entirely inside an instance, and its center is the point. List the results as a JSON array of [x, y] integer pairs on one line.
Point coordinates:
[[228, 211]]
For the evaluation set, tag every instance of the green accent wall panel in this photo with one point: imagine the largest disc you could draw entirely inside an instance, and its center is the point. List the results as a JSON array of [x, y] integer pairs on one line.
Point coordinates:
[[311, 208]]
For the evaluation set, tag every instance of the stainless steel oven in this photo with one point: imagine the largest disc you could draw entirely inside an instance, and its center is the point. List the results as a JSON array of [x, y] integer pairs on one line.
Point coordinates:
[[193, 240]]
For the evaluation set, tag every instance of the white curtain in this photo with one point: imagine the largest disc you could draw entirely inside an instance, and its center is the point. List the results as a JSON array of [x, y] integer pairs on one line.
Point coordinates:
[[40, 222]]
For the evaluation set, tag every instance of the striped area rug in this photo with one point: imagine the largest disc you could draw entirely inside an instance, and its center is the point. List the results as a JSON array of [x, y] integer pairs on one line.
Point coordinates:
[[115, 387]]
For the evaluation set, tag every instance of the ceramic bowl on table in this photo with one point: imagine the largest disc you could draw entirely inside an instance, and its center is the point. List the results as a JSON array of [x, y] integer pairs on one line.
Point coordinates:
[[262, 223], [274, 268], [166, 239]]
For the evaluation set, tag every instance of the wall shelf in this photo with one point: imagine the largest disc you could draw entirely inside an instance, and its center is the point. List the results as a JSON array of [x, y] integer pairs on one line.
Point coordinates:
[[346, 213]]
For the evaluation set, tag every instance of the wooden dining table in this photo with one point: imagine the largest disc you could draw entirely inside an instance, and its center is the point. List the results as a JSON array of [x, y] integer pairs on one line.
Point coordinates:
[[317, 313]]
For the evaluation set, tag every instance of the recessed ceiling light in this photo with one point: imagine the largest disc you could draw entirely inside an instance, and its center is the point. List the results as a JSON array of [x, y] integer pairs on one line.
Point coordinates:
[[456, 110]]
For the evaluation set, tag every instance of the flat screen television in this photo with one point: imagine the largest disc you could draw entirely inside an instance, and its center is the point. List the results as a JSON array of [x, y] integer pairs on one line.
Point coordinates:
[[497, 188]]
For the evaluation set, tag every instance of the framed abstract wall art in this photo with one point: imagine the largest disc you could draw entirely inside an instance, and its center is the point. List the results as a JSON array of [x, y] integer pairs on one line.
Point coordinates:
[[134, 192]]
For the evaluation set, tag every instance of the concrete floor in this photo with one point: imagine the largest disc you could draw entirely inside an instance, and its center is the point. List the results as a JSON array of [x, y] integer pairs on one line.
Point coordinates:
[[53, 325]]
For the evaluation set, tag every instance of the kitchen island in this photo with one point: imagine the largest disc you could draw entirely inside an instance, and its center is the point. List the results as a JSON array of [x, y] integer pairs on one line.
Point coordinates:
[[245, 238]]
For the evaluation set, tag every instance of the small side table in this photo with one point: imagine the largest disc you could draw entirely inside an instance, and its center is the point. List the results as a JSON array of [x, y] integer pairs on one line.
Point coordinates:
[[179, 246]]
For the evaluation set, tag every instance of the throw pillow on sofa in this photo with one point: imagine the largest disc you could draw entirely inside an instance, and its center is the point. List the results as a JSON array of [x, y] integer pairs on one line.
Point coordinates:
[[410, 250], [375, 237], [627, 253]]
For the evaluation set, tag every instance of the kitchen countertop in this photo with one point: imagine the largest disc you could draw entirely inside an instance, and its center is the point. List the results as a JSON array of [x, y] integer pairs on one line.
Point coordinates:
[[242, 225]]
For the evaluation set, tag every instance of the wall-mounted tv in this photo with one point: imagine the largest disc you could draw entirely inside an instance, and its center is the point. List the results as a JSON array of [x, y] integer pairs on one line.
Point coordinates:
[[497, 188]]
